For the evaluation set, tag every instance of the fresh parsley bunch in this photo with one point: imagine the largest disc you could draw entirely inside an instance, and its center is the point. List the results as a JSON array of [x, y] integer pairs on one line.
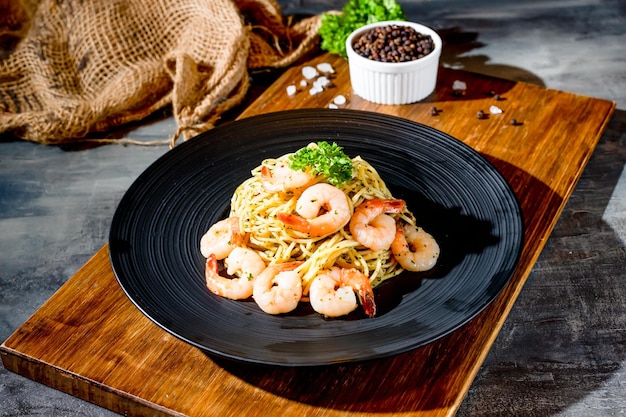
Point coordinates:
[[324, 159], [336, 27]]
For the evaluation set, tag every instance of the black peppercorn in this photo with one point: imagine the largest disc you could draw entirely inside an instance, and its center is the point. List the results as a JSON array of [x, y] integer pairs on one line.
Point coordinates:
[[393, 43]]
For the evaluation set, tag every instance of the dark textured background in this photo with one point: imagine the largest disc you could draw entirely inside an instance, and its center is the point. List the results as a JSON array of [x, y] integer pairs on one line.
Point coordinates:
[[562, 350]]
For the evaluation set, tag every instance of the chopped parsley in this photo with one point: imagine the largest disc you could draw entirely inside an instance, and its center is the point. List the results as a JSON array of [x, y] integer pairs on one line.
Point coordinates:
[[324, 159]]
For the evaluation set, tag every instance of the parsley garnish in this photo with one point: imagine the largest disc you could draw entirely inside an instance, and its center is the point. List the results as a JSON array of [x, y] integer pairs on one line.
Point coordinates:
[[324, 159], [336, 28]]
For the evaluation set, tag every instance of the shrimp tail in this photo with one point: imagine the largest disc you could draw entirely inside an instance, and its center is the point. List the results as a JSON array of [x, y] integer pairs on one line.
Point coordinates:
[[211, 264], [361, 284], [378, 206], [295, 222], [394, 206], [267, 180], [211, 271], [367, 302], [266, 174]]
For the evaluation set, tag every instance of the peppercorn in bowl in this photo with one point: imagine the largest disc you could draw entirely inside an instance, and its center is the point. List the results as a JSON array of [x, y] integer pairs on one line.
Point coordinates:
[[393, 62]]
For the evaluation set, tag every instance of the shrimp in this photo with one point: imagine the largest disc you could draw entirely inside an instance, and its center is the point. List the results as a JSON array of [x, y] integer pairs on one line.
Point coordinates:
[[244, 262], [221, 238], [322, 209], [278, 289], [332, 293], [371, 227], [414, 249], [284, 179]]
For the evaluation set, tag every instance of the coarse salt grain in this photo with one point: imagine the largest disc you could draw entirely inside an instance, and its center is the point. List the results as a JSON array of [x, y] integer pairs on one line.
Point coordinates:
[[333, 106], [339, 100], [303, 83], [291, 90], [325, 67], [309, 72], [321, 82], [455, 65], [315, 90], [459, 85], [495, 110]]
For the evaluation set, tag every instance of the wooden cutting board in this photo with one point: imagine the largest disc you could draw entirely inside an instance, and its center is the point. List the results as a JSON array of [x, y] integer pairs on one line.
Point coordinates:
[[90, 341]]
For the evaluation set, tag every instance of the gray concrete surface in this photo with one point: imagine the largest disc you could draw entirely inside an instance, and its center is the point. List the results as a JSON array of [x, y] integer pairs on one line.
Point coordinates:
[[561, 352]]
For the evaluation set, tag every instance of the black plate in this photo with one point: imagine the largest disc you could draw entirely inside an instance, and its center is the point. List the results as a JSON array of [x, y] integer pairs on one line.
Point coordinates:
[[456, 194]]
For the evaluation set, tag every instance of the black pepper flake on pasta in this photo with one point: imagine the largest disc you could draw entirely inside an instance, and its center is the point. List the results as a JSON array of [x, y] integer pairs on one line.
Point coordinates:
[[393, 43]]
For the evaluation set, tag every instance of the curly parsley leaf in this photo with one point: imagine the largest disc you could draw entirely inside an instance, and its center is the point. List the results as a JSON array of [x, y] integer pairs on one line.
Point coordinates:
[[336, 27], [324, 159]]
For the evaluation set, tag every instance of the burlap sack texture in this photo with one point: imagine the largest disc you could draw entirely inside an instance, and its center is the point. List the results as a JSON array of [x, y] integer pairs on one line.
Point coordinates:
[[70, 68]]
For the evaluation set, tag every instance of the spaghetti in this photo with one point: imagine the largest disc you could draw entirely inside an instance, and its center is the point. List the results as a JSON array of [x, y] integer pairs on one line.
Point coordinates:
[[258, 212]]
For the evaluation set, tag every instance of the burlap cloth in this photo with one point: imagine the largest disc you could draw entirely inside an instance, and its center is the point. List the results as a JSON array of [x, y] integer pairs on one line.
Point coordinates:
[[70, 68]]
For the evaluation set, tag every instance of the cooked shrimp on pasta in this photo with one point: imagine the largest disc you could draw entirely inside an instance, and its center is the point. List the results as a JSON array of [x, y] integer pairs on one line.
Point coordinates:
[[330, 218]]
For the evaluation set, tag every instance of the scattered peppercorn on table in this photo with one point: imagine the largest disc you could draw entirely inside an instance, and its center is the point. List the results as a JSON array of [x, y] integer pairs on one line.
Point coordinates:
[[89, 339]]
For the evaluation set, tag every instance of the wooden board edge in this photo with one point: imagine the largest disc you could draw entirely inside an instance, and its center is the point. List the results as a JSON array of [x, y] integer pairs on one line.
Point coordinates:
[[75, 385]]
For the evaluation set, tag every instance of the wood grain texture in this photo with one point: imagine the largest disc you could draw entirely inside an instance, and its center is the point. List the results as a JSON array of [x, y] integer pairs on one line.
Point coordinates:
[[90, 341], [564, 342]]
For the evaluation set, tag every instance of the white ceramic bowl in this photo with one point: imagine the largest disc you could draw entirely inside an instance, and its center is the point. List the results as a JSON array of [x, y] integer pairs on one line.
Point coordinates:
[[394, 82]]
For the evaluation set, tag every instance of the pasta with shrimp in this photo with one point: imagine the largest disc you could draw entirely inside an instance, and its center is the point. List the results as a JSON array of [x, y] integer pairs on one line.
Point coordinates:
[[314, 223], [258, 209]]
